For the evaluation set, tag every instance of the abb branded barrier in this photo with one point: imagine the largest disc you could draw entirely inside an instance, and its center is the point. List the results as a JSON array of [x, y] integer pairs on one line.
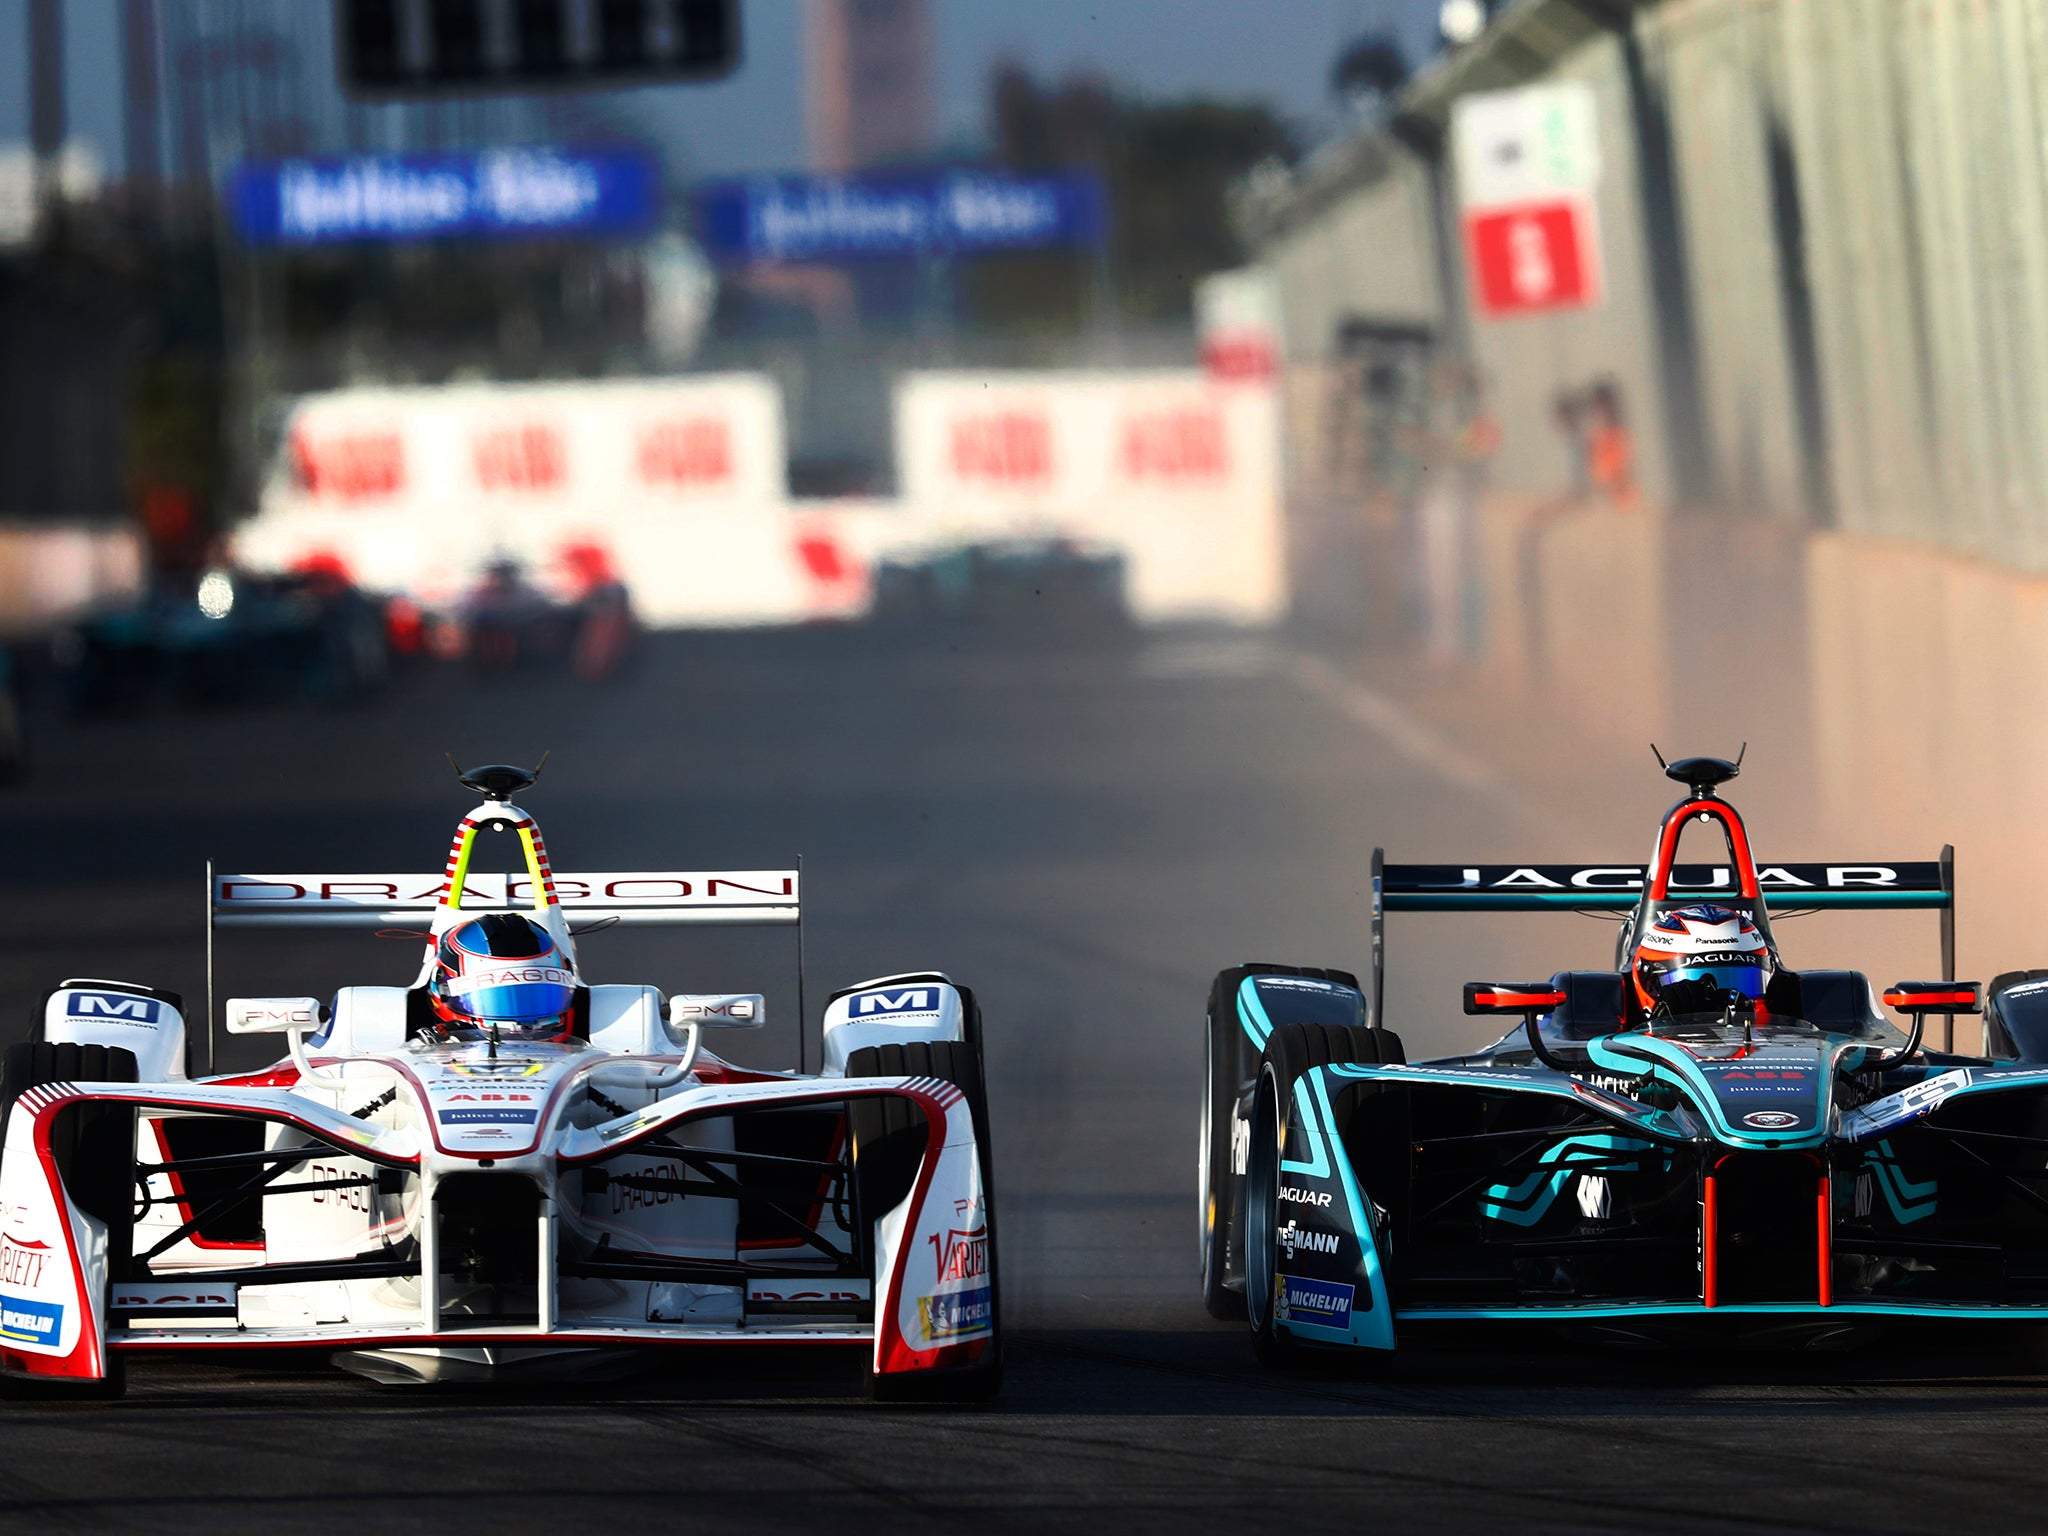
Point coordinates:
[[413, 490], [1177, 469], [682, 484]]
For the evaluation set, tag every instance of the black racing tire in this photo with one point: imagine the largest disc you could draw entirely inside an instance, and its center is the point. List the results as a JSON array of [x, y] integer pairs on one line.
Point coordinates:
[[888, 1144], [95, 1149], [1230, 1061], [1225, 1054], [1291, 1050]]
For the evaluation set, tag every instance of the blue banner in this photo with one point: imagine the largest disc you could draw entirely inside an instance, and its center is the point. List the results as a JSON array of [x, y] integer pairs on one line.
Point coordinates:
[[492, 194], [959, 212]]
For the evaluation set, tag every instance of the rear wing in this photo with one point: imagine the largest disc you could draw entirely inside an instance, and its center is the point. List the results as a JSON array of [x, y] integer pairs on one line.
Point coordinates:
[[748, 897], [1617, 887], [1903, 884], [666, 898]]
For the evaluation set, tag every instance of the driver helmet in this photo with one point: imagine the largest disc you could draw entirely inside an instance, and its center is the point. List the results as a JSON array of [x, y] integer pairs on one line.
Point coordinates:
[[504, 970], [1691, 958]]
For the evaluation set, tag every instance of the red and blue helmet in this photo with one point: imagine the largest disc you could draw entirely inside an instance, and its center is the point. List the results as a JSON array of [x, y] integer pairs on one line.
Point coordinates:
[[1690, 958], [507, 970]]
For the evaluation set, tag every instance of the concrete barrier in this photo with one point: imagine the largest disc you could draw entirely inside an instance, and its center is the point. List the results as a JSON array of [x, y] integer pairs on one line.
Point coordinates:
[[1895, 698]]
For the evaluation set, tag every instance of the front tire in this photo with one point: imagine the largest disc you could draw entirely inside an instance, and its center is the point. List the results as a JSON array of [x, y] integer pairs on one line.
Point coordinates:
[[888, 1142], [1291, 1050], [95, 1149]]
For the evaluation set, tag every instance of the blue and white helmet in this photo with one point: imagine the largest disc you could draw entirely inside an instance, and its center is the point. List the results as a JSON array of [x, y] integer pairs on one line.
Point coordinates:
[[1690, 958], [507, 970]]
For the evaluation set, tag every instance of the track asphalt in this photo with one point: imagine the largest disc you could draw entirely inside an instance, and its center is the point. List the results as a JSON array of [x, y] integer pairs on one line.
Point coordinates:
[[1084, 836]]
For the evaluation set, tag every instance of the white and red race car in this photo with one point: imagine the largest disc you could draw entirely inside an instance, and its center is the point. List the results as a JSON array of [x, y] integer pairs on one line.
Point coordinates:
[[432, 1209]]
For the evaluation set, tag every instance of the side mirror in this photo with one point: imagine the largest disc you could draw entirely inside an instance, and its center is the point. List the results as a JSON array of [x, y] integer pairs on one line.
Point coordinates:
[[718, 1010], [1511, 997], [1918, 997], [272, 1015]]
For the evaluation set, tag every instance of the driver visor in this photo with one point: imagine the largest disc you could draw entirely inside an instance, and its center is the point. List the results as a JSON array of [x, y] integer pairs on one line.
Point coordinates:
[[1749, 980]]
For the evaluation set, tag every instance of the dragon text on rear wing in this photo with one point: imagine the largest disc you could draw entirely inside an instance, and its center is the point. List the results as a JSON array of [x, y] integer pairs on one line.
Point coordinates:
[[749, 897], [1610, 887]]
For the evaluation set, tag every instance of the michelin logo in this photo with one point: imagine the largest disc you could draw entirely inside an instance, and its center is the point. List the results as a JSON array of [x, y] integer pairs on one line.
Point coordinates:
[[906, 1000], [30, 1322], [113, 1007], [956, 1315], [1318, 1303]]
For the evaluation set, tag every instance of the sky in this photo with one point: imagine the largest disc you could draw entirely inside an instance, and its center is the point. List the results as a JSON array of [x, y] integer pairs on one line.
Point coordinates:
[[1275, 51]]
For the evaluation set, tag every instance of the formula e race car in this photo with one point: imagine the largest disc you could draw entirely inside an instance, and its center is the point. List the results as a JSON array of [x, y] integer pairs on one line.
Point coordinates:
[[437, 1203], [1740, 1148]]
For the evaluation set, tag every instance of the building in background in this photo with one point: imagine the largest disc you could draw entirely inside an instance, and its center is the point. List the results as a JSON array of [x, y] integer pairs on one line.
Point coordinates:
[[868, 82]]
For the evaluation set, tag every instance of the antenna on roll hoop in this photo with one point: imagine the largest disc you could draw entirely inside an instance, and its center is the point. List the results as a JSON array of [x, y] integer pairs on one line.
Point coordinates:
[[498, 781]]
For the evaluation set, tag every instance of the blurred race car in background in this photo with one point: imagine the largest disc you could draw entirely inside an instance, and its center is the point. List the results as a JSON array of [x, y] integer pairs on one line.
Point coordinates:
[[1758, 1152], [579, 614], [231, 637], [1059, 586]]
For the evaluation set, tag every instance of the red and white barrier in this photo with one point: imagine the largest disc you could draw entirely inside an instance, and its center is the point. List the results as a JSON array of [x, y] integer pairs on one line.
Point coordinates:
[[1179, 470], [681, 483]]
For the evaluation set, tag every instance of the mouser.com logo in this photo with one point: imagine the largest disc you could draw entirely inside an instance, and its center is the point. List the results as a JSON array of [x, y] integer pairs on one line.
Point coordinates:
[[866, 1005], [113, 1007]]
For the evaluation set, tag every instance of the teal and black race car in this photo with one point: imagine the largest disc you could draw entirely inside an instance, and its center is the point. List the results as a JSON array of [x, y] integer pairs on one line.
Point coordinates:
[[1699, 1140]]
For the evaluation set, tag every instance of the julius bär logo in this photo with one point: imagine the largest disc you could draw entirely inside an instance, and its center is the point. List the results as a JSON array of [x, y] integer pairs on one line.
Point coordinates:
[[961, 1255]]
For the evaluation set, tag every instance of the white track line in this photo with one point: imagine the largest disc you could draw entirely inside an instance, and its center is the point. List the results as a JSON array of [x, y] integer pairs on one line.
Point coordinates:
[[1421, 744]]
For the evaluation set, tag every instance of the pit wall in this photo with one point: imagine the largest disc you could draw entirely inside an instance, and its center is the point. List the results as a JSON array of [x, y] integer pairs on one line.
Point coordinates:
[[1894, 698]]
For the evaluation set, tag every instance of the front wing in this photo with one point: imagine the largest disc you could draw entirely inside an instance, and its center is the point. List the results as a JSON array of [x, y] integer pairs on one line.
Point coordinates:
[[1428, 1194], [207, 1217]]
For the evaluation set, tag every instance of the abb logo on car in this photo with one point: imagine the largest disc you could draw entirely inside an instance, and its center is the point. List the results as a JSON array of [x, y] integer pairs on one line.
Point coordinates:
[[349, 466], [528, 457], [1008, 448], [1175, 445], [689, 451]]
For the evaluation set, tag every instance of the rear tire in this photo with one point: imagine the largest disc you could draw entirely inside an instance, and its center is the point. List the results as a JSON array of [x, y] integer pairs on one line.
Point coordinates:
[[1291, 1050], [888, 1144], [95, 1150]]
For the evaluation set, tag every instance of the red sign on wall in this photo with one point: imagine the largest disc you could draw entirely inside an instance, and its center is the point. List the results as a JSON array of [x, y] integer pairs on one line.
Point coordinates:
[[1534, 257]]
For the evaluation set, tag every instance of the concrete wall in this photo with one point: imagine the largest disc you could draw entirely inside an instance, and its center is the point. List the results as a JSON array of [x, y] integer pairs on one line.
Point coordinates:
[[1888, 693], [1370, 253]]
